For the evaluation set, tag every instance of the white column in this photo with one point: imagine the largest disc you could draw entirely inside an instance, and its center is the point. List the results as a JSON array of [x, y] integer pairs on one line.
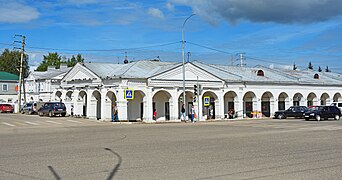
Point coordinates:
[[148, 111], [240, 111], [174, 106], [104, 106], [91, 108], [121, 105], [200, 108], [220, 105]]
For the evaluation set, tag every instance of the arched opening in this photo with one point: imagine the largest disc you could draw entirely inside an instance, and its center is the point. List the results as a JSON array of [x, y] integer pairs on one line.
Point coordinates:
[[161, 104], [230, 104], [58, 96], [109, 104], [283, 100], [135, 107], [249, 103], [325, 99], [96, 104], [82, 103], [209, 111], [312, 99], [298, 99], [188, 103], [267, 103], [337, 97], [68, 102]]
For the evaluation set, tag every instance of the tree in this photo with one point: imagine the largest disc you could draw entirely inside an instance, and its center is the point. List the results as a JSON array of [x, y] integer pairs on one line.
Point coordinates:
[[310, 66], [52, 59], [74, 60], [319, 69], [10, 62], [327, 69], [294, 66]]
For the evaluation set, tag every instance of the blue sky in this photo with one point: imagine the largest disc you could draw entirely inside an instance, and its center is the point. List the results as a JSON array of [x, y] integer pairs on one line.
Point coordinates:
[[271, 32]]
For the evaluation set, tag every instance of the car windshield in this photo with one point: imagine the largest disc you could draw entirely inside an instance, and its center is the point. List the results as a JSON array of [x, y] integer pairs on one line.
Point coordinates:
[[313, 108]]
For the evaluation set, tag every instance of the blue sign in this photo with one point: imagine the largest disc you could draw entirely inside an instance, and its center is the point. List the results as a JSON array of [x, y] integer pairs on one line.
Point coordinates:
[[129, 94], [206, 100]]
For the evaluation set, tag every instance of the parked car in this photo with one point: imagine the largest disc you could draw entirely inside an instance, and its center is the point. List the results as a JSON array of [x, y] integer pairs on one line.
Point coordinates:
[[52, 109], [31, 107], [293, 111], [6, 108], [324, 112]]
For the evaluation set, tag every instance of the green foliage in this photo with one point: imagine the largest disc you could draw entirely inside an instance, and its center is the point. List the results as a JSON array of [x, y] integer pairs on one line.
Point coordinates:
[[54, 59], [10, 62], [327, 69], [319, 69], [294, 66]]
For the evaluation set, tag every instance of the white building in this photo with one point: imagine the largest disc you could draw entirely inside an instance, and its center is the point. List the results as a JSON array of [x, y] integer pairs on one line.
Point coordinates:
[[92, 88], [40, 86]]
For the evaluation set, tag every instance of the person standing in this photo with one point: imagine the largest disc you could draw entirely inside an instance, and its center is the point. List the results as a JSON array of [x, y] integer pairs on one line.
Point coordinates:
[[115, 114], [155, 114], [72, 110], [192, 114], [183, 113]]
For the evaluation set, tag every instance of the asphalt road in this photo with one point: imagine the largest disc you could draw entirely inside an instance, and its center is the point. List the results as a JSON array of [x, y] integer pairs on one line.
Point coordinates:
[[244, 149]]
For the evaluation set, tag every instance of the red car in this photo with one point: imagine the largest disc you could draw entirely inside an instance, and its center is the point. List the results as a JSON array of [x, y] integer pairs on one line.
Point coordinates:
[[6, 108]]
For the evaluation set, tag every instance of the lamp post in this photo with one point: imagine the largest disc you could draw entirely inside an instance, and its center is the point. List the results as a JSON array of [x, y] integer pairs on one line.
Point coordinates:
[[184, 60]]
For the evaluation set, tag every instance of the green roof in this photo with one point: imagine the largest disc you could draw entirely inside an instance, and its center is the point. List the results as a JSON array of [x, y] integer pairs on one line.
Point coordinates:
[[8, 76]]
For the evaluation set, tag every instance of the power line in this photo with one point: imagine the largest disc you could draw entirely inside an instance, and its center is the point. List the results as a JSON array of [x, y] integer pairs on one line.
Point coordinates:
[[218, 50], [101, 50]]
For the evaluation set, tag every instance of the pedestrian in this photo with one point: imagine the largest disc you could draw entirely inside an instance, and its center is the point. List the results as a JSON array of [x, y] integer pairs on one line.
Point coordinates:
[[183, 113], [192, 114], [155, 114], [72, 110], [115, 114]]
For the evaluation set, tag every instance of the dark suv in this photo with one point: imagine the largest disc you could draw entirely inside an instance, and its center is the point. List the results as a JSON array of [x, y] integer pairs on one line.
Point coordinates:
[[324, 112], [293, 111], [52, 109]]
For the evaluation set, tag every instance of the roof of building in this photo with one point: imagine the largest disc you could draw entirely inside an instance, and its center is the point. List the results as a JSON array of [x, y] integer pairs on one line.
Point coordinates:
[[148, 68], [50, 73], [8, 76]]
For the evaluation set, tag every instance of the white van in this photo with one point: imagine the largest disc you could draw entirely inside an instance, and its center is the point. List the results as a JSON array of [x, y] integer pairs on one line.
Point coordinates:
[[338, 104]]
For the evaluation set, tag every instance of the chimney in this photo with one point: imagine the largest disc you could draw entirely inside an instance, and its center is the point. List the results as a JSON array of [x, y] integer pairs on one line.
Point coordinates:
[[63, 66], [51, 68]]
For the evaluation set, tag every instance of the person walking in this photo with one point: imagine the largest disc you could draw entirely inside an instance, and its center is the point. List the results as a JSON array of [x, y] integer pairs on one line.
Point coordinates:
[[183, 113], [192, 114], [115, 114], [72, 111]]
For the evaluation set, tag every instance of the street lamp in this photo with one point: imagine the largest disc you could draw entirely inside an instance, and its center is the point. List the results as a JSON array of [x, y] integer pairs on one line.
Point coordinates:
[[184, 60]]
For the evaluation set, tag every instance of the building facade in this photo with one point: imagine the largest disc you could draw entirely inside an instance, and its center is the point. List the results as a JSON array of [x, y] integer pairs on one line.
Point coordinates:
[[93, 88], [8, 87]]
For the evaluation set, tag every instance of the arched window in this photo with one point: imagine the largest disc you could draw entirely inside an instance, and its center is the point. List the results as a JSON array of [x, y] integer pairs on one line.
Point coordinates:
[[260, 73], [316, 76]]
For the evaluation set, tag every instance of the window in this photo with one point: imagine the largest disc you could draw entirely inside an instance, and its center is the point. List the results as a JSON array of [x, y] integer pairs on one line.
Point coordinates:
[[260, 73], [316, 76], [4, 87]]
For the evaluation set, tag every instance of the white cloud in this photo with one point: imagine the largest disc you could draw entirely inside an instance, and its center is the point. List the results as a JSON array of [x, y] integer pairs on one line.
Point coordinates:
[[286, 12], [155, 13], [14, 12], [170, 6]]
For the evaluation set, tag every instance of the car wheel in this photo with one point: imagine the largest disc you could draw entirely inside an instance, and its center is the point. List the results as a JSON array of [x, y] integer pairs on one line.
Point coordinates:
[[280, 116], [306, 119], [337, 117], [318, 117], [50, 114], [63, 114]]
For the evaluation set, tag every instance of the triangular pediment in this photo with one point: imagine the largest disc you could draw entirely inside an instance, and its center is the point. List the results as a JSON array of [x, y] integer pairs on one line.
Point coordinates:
[[79, 72], [191, 74]]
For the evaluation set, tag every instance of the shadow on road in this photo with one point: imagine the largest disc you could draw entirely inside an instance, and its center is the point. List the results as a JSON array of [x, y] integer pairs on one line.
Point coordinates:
[[54, 173], [111, 175]]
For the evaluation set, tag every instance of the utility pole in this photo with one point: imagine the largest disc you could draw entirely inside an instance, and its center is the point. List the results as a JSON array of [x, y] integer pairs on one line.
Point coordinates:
[[21, 69]]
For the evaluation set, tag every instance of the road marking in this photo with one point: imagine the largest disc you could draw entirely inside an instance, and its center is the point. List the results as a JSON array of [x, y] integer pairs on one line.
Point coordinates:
[[31, 123], [53, 122], [74, 121], [8, 124]]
